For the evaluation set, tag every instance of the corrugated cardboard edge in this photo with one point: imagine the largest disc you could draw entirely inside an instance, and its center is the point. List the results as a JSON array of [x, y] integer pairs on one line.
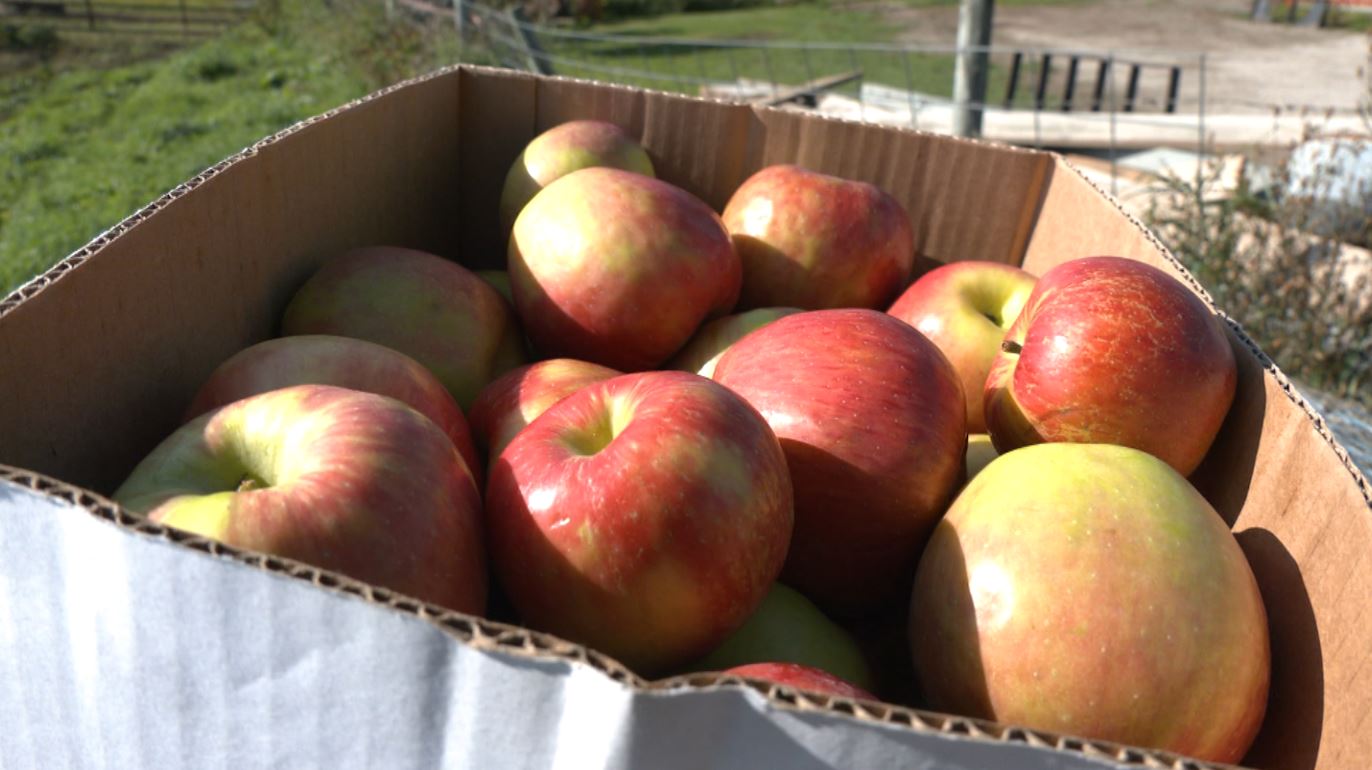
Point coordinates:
[[503, 638], [1292, 393]]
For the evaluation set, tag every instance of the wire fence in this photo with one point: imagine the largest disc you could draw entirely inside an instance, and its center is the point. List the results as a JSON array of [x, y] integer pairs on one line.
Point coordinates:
[[1096, 101]]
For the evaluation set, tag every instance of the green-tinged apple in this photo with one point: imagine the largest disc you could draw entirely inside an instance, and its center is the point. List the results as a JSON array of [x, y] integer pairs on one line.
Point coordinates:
[[518, 397], [619, 269], [709, 343], [565, 148], [646, 516], [1112, 351], [321, 359], [427, 307], [816, 241], [348, 481], [965, 308], [500, 281], [802, 677], [980, 453], [871, 417], [788, 628], [1090, 590]]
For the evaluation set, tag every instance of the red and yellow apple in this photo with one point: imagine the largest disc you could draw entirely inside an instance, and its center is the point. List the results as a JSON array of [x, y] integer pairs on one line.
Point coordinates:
[[518, 397], [965, 308], [619, 269], [1090, 590], [320, 359], [802, 677], [709, 343], [429, 308], [646, 516], [559, 151], [347, 481], [1109, 350], [871, 417], [816, 241]]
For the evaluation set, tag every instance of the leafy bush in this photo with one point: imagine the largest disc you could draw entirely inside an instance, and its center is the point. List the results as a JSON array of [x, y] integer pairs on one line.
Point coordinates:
[[1305, 297]]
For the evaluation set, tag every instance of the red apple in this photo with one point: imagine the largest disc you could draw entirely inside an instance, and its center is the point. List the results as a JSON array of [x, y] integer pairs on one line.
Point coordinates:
[[318, 359], [788, 628], [802, 677], [347, 481], [646, 516], [965, 308], [816, 241], [500, 281], [1088, 589], [871, 417], [429, 308], [618, 268], [709, 343], [561, 150], [516, 398], [1113, 351]]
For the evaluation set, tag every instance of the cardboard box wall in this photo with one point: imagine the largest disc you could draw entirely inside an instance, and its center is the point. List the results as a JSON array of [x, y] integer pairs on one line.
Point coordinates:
[[124, 641]]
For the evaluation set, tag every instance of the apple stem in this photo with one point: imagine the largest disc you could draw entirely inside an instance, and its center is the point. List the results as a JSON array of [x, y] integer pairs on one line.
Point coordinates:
[[247, 484], [1011, 347]]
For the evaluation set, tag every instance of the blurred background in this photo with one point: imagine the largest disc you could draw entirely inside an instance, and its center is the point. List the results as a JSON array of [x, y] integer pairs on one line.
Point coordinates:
[[1239, 130]]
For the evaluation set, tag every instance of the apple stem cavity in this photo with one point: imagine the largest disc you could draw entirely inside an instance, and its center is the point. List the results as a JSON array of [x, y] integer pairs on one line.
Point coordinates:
[[1011, 347]]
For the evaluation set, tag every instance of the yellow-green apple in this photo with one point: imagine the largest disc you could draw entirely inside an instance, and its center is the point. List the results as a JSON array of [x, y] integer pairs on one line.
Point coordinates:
[[646, 516], [565, 148], [871, 418], [709, 343], [816, 241], [1112, 351], [517, 397], [980, 453], [348, 481], [1089, 589], [965, 308], [322, 359], [802, 677], [619, 269], [427, 307], [788, 628]]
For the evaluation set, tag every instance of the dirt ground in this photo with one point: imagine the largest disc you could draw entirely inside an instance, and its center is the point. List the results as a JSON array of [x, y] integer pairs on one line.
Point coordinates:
[[1250, 67]]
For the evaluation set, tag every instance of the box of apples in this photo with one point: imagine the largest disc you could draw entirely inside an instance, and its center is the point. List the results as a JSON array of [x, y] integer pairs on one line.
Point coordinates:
[[506, 420]]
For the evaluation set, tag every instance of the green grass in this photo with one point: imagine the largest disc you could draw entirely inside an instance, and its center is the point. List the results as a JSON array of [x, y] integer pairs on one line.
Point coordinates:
[[87, 147]]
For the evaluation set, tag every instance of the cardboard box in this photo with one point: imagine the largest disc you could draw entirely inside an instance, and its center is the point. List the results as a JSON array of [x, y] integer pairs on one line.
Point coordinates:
[[128, 645]]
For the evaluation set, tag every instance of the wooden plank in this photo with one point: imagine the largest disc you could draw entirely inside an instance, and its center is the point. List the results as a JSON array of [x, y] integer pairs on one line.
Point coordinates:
[[810, 89]]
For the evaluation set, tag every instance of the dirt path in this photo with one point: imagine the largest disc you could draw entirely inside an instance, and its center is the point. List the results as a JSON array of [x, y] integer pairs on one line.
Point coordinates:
[[1250, 67]]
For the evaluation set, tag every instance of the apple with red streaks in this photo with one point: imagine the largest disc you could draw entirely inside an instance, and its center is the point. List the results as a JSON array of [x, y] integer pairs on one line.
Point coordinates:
[[619, 269], [353, 482], [562, 149], [646, 516], [802, 677], [872, 420], [427, 307], [1089, 589], [816, 241], [965, 308], [518, 397], [321, 359], [1112, 351], [709, 343]]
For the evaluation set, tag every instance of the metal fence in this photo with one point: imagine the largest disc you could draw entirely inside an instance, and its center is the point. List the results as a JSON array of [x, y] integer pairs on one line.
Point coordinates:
[[1102, 102], [186, 18]]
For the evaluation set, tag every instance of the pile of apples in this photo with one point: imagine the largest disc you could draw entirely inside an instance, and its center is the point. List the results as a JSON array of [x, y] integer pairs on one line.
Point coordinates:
[[699, 443]]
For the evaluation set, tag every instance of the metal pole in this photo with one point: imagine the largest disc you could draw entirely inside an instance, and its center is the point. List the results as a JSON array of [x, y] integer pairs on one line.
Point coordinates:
[[973, 62], [1109, 67]]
